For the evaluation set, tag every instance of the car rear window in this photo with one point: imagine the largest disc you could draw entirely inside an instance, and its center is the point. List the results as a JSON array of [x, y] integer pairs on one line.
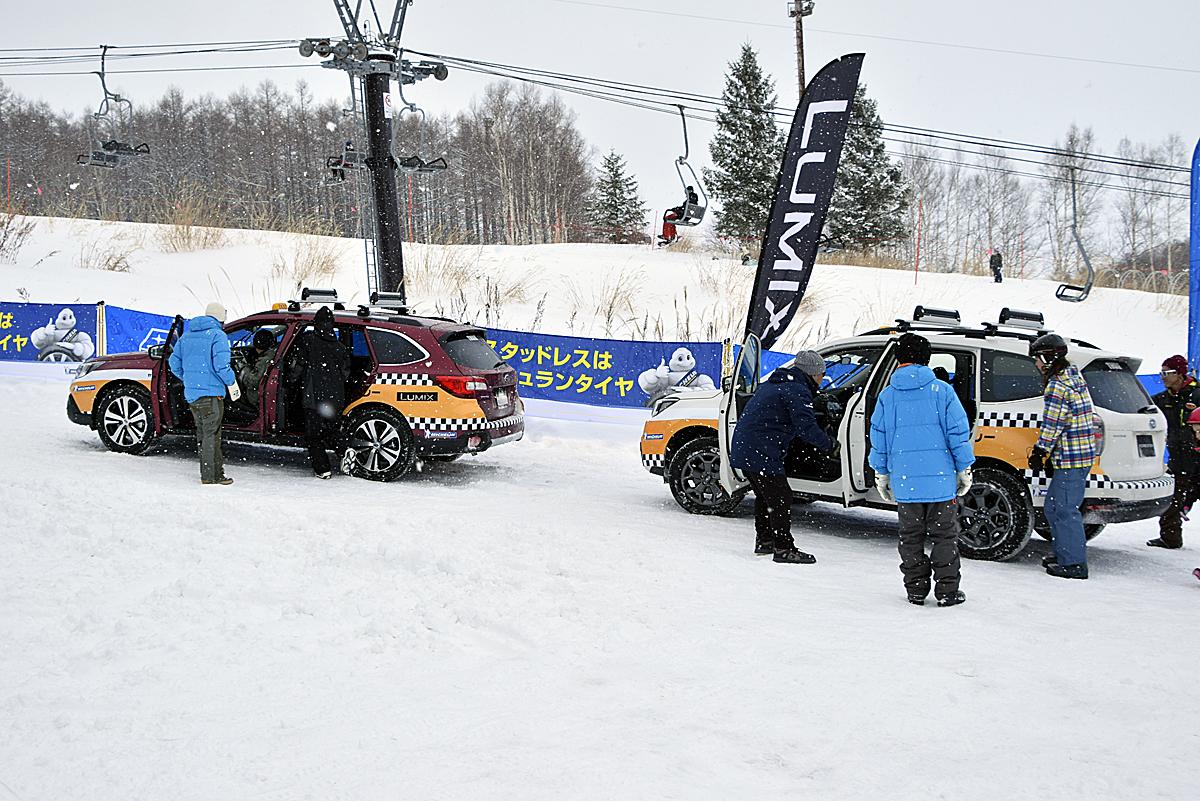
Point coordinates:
[[1113, 386], [394, 348], [469, 349], [1009, 377]]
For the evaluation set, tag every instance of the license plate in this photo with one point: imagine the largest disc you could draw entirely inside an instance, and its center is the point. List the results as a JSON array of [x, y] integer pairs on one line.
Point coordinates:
[[1145, 444], [501, 397]]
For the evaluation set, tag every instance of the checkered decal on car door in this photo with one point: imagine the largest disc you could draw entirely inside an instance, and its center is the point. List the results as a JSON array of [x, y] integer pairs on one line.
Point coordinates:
[[405, 379], [1009, 419]]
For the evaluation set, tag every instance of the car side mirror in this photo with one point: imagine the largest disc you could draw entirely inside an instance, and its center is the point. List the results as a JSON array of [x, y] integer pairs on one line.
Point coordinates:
[[156, 351]]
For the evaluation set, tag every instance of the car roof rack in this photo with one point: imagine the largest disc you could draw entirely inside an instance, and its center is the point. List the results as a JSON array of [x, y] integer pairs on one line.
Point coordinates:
[[1029, 325], [311, 296]]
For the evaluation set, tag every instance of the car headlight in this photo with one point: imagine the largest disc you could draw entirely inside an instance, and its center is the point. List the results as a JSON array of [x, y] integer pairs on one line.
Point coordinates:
[[663, 404], [87, 367]]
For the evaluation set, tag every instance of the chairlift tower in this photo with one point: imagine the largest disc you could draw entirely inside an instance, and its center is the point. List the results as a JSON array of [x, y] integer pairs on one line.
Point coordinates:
[[374, 60]]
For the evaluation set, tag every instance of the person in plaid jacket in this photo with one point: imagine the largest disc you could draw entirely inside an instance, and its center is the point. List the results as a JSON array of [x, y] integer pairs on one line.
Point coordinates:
[[1065, 451]]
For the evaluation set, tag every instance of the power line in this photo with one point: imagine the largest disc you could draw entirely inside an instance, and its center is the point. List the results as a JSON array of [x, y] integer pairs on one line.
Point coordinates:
[[781, 112], [879, 37], [1040, 176], [161, 69]]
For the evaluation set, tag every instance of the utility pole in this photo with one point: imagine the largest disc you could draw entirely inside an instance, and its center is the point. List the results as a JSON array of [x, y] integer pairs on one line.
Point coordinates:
[[375, 59], [798, 10]]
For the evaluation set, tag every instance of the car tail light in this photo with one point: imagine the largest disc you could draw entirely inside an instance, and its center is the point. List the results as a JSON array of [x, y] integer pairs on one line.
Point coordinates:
[[1099, 434], [463, 386]]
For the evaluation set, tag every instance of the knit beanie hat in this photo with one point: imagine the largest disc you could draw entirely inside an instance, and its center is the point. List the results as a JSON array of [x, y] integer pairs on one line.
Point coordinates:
[[810, 363], [215, 310], [1175, 364], [912, 349]]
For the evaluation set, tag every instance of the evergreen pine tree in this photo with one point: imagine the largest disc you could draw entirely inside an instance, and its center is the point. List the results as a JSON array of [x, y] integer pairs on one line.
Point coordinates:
[[746, 151], [870, 196], [617, 210]]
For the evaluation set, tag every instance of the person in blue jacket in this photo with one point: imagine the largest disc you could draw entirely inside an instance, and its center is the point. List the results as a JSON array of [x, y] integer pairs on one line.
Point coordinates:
[[780, 411], [921, 454], [201, 359]]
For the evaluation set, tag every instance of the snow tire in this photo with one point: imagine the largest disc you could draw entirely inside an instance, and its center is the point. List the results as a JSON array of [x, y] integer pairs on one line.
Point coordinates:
[[694, 476]]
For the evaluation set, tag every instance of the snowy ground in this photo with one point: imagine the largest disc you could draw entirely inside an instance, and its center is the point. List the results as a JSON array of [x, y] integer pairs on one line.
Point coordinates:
[[544, 623]]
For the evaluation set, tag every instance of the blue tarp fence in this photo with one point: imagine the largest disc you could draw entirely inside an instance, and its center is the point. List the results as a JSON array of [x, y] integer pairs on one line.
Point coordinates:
[[597, 372]]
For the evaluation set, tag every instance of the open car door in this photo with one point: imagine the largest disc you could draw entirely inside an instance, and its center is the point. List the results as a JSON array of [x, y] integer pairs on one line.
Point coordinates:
[[738, 390], [167, 389]]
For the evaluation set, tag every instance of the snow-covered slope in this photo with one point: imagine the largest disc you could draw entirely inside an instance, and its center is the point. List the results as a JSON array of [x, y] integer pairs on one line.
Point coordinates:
[[618, 291]]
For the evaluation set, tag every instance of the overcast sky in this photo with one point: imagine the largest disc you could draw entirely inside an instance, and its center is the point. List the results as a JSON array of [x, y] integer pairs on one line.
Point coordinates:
[[1023, 97]]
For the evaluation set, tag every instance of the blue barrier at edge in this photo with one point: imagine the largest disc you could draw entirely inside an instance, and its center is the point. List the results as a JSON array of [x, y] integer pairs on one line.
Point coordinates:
[[596, 372]]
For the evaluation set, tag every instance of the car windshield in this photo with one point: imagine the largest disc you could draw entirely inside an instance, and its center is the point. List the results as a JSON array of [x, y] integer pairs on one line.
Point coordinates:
[[1114, 386]]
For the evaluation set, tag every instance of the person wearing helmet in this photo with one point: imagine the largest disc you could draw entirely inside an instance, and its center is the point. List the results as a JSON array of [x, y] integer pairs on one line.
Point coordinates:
[[1178, 401], [1065, 451]]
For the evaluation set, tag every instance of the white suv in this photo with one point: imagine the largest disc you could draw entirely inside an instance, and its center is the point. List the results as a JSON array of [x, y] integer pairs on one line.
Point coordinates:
[[686, 440]]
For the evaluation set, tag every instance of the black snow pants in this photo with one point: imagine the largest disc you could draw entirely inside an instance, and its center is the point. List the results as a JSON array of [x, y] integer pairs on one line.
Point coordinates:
[[320, 432], [772, 511], [1187, 492], [937, 524]]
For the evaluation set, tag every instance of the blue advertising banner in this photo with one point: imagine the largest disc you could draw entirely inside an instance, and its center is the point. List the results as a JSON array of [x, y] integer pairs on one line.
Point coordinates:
[[128, 330], [47, 332], [605, 372], [1194, 281]]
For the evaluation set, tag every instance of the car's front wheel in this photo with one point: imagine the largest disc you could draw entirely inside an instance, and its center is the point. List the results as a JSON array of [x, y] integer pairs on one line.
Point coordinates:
[[124, 419], [995, 516], [695, 479], [382, 443]]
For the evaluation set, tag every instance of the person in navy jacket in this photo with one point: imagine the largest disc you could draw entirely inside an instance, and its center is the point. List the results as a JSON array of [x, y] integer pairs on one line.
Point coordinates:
[[201, 361], [921, 454], [780, 411]]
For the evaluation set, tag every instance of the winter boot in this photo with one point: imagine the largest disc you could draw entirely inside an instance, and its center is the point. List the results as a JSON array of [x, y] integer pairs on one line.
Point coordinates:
[[1049, 560], [764, 549], [324, 474], [794, 556], [916, 598], [1068, 571], [954, 599], [1158, 542]]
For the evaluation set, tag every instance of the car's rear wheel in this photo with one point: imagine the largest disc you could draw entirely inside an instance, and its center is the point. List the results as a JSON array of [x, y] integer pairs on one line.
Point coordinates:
[[695, 479], [124, 419], [382, 443], [1090, 530], [995, 516]]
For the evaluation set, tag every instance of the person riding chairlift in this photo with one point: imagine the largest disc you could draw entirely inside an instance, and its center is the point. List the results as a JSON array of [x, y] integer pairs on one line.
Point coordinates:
[[669, 232]]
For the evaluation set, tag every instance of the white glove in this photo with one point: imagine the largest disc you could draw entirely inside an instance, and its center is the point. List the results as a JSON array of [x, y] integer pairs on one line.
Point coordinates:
[[235, 391], [884, 485], [964, 481]]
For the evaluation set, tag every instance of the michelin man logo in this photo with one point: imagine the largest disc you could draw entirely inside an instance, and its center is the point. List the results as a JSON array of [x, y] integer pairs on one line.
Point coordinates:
[[60, 341], [679, 372]]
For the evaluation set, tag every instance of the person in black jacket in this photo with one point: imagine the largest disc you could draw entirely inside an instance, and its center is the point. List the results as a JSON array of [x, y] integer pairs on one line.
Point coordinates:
[[322, 369], [780, 411], [1178, 401], [996, 264]]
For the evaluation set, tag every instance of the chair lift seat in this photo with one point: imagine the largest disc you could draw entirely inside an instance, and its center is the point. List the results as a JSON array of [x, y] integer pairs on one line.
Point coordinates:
[[693, 214]]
